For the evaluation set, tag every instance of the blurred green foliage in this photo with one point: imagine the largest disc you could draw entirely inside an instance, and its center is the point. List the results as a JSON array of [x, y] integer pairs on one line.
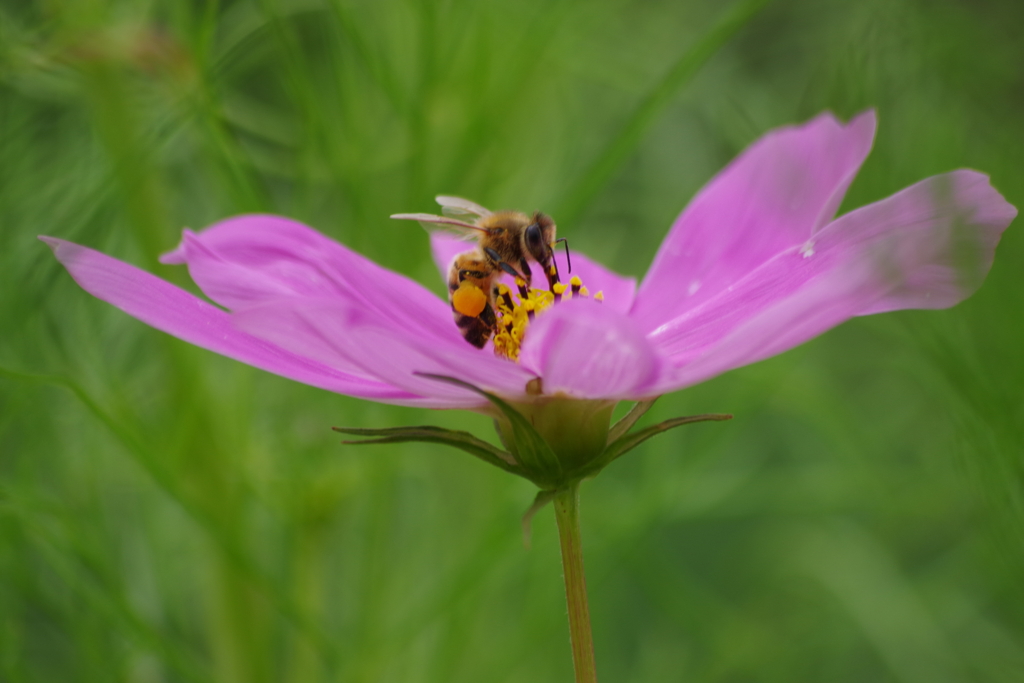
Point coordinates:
[[169, 515]]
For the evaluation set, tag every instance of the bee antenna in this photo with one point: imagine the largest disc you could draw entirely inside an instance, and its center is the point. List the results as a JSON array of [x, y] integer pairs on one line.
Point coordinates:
[[568, 260]]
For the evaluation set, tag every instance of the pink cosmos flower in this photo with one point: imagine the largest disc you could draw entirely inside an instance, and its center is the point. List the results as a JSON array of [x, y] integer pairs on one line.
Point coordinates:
[[755, 265]]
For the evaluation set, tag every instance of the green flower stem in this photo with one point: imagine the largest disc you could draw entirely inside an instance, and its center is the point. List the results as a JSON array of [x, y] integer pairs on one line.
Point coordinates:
[[567, 513]]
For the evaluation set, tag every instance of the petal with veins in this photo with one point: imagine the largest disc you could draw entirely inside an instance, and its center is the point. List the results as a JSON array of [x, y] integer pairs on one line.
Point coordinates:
[[336, 334], [589, 350], [173, 310], [248, 260], [775, 195], [928, 246]]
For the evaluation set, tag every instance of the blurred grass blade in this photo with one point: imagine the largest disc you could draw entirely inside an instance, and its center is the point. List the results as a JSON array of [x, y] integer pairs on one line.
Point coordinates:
[[376, 65], [86, 575], [225, 539], [632, 132], [542, 499]]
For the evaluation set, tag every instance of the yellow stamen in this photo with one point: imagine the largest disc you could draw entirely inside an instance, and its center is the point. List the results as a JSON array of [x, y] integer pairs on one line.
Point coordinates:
[[599, 296], [513, 320], [575, 285], [515, 311]]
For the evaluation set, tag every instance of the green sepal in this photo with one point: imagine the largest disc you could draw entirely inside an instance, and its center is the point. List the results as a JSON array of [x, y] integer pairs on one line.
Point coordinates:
[[543, 498], [462, 440], [530, 450], [622, 427], [628, 442]]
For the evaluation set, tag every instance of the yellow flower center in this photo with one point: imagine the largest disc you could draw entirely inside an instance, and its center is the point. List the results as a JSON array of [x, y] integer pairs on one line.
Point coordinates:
[[515, 310]]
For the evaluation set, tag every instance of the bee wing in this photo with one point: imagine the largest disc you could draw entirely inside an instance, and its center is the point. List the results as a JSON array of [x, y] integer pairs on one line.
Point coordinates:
[[432, 223], [457, 207]]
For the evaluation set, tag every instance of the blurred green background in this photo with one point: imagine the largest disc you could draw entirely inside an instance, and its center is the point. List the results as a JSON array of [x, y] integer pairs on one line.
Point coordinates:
[[170, 515]]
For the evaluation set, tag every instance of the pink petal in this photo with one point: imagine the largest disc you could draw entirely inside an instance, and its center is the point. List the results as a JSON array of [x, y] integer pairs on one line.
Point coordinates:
[[928, 246], [248, 260], [618, 290], [175, 311], [337, 334], [589, 350], [773, 196]]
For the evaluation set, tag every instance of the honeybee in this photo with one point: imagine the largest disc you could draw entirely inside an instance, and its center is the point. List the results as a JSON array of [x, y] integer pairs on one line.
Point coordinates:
[[506, 242]]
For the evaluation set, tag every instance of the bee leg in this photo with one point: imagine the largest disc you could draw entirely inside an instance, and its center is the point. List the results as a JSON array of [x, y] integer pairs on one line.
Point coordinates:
[[496, 257], [551, 271], [525, 267]]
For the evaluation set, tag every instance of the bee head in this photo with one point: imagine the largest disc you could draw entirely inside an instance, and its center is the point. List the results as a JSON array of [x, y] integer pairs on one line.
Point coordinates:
[[539, 236]]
